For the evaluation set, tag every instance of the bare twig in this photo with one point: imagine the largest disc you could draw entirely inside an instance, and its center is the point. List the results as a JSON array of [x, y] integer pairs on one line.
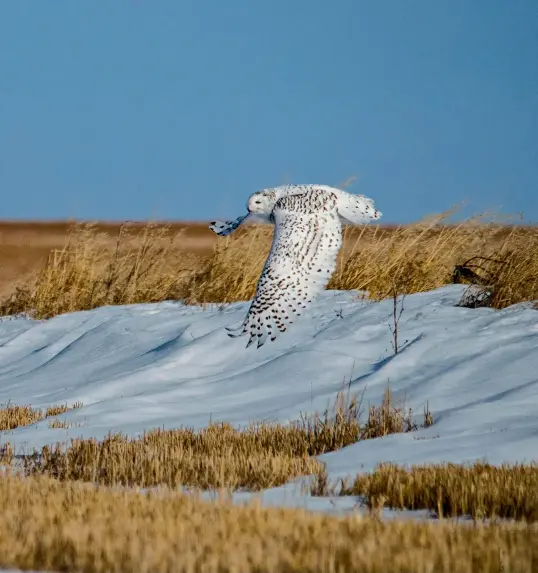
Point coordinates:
[[397, 311]]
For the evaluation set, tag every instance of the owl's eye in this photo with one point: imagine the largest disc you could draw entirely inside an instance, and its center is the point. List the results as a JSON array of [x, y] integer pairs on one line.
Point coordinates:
[[258, 202]]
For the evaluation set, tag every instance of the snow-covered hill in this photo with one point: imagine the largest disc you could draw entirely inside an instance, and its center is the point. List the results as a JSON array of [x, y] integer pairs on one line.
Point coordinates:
[[143, 366]]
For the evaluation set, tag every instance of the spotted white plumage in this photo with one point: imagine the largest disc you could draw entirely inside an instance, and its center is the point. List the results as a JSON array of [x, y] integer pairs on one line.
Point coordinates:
[[353, 209], [307, 238], [224, 228]]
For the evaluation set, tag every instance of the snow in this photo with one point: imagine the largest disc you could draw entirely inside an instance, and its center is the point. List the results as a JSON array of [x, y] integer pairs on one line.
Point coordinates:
[[163, 365]]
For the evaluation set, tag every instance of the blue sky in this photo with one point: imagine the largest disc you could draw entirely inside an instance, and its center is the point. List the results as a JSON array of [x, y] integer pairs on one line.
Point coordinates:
[[180, 109]]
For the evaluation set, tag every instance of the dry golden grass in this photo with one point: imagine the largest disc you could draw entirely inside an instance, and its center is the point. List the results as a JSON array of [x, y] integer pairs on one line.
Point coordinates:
[[231, 273], [61, 409], [216, 458], [144, 265], [506, 275], [26, 245], [54, 526], [221, 457], [426, 255], [12, 416], [151, 263], [449, 490]]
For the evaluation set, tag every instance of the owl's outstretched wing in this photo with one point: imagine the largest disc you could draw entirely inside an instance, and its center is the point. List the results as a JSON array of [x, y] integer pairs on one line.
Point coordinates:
[[306, 241], [357, 209], [223, 228]]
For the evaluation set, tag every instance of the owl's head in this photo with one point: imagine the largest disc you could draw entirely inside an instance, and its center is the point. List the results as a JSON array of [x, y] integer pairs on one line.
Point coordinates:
[[261, 203]]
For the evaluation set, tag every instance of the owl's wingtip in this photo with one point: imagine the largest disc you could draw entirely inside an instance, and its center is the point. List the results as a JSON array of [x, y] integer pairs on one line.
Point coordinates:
[[235, 332]]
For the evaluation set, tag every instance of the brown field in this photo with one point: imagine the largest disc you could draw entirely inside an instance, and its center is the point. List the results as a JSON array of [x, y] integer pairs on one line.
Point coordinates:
[[25, 245]]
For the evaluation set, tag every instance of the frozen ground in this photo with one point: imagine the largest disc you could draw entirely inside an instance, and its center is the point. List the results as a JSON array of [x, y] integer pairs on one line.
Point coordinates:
[[139, 367]]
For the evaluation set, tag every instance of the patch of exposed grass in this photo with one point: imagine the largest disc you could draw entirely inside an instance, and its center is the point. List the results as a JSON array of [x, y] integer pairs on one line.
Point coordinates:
[[148, 265], [220, 456], [449, 490], [12, 416], [408, 259], [62, 424], [217, 457], [61, 409], [48, 525]]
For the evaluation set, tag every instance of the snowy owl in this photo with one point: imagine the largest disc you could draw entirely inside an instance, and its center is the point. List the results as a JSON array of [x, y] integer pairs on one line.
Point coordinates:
[[307, 237]]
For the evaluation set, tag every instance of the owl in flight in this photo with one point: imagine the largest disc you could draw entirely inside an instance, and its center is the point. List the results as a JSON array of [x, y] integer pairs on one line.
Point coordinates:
[[308, 235]]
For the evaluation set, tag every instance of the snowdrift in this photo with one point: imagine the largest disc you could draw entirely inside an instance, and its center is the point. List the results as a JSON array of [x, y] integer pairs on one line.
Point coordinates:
[[165, 365]]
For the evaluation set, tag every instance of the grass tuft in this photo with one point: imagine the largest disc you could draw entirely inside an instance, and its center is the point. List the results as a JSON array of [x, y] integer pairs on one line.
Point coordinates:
[[479, 491], [12, 417]]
